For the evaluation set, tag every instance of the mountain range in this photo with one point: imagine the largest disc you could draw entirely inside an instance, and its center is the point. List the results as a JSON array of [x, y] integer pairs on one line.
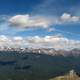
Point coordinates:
[[37, 64], [48, 51]]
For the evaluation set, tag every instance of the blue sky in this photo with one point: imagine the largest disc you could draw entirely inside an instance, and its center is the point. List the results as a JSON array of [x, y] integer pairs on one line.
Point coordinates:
[[46, 9]]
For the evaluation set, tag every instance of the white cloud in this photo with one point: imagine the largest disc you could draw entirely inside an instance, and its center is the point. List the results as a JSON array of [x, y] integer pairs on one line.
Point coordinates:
[[18, 38], [57, 42], [27, 21], [69, 18]]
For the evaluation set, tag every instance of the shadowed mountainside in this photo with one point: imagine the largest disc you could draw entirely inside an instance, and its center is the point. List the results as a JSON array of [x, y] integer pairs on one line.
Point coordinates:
[[29, 66]]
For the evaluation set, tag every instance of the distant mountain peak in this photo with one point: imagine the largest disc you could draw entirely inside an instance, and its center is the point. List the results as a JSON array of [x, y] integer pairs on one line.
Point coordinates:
[[48, 51]]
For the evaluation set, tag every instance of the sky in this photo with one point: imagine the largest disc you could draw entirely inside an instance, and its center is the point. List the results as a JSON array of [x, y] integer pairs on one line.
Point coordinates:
[[41, 18]]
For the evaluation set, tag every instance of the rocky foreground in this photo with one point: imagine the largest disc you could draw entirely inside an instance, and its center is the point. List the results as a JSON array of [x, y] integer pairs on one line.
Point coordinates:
[[70, 76]]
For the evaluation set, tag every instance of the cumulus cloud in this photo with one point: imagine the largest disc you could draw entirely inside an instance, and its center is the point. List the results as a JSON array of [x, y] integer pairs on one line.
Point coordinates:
[[57, 42], [69, 18], [32, 22], [18, 38], [27, 21]]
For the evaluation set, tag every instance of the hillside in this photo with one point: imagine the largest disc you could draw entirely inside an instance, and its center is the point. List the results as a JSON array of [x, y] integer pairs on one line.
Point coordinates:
[[70, 76], [17, 65]]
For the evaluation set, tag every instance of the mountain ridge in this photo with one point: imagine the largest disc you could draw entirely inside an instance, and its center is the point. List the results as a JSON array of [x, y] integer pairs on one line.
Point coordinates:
[[48, 51]]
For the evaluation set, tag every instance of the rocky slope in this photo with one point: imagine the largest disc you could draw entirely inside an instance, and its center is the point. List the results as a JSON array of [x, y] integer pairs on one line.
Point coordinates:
[[70, 76]]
